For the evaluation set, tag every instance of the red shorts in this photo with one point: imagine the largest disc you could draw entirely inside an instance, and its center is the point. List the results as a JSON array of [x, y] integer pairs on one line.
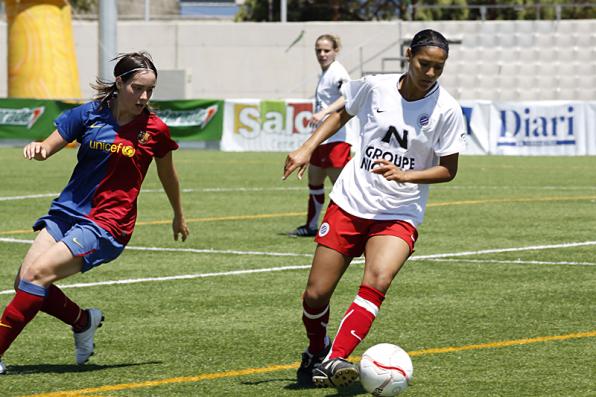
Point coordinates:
[[348, 234], [331, 155]]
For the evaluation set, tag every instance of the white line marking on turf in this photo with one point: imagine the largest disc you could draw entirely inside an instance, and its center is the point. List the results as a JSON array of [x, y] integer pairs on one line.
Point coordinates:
[[204, 190], [435, 257], [192, 250], [514, 261], [180, 277]]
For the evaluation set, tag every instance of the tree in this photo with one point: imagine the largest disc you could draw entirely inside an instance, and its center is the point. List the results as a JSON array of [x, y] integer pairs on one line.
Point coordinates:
[[372, 10]]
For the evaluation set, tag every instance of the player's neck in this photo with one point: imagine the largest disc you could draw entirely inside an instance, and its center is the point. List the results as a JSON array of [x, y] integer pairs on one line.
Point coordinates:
[[408, 90], [121, 116]]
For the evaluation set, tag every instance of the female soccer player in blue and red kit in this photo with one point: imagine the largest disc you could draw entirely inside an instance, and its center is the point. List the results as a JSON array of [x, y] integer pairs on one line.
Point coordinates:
[[92, 220]]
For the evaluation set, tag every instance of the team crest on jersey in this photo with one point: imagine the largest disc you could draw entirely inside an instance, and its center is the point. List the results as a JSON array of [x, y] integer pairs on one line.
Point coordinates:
[[423, 120], [143, 137]]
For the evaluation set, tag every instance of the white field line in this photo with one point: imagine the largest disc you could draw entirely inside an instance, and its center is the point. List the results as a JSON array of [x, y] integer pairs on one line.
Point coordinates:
[[204, 190], [436, 257], [300, 188], [513, 262]]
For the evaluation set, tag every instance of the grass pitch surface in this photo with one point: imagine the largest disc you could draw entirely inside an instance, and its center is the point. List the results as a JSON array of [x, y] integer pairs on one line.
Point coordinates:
[[498, 299]]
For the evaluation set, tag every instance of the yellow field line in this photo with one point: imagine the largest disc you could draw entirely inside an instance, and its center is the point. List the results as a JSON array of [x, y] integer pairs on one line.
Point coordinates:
[[274, 368], [291, 214], [510, 200], [228, 218]]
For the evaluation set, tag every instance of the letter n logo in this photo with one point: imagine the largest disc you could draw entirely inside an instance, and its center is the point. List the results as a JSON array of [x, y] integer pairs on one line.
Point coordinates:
[[402, 140]]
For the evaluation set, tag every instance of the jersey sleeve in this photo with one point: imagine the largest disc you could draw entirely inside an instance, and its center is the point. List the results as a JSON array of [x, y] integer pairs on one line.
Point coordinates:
[[71, 123], [453, 133], [341, 78], [164, 143], [356, 93]]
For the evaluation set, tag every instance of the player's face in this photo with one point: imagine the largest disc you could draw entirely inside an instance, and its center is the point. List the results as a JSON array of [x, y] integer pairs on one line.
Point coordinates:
[[426, 66], [134, 94], [325, 53]]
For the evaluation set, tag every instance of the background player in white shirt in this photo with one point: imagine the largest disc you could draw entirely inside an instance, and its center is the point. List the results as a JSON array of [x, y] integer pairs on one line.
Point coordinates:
[[333, 154], [412, 132]]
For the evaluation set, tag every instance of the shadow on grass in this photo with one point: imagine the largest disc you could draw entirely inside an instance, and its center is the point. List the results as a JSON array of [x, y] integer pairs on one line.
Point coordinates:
[[355, 389], [67, 368]]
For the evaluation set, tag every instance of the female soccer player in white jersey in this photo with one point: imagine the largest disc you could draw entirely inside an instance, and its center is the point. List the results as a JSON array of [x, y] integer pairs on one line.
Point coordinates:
[[412, 132], [329, 158]]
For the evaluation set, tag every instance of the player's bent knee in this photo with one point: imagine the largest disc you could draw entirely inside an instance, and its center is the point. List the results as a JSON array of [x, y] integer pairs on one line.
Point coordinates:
[[315, 299], [36, 274]]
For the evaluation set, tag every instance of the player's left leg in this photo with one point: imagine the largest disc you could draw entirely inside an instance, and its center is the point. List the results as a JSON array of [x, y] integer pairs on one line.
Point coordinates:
[[385, 255]]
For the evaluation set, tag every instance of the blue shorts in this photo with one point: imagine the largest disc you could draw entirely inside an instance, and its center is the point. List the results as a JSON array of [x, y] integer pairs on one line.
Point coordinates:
[[83, 238]]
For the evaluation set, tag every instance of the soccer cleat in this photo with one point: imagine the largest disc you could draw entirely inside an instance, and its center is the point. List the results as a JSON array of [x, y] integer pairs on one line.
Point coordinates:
[[309, 362], [84, 344], [335, 372], [303, 231], [2, 368]]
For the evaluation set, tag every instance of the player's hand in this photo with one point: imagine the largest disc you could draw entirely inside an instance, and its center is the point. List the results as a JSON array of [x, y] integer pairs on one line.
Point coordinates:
[[298, 159], [180, 228], [389, 171], [316, 118], [35, 151]]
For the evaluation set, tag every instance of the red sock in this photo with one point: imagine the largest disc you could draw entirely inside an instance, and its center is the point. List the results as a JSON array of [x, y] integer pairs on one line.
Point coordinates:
[[316, 199], [58, 305], [315, 321], [21, 309], [356, 322]]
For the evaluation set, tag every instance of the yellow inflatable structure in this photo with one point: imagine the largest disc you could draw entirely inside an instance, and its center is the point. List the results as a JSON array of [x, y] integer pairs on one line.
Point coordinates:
[[41, 54]]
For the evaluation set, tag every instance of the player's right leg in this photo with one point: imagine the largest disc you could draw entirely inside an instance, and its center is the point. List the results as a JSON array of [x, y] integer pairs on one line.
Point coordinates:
[[326, 271], [37, 273]]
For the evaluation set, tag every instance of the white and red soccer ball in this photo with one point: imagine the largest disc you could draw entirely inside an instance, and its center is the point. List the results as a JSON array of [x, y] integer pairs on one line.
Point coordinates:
[[385, 370]]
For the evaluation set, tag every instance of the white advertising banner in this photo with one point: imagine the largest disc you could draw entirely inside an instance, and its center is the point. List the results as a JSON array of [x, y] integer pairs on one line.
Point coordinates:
[[558, 128], [540, 128], [265, 125], [479, 116], [591, 128]]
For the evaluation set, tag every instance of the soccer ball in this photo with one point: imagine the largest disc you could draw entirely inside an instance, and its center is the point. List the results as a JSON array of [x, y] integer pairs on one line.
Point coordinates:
[[385, 370]]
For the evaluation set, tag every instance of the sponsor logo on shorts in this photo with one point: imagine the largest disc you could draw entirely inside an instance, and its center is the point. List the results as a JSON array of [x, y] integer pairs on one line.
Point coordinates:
[[324, 229]]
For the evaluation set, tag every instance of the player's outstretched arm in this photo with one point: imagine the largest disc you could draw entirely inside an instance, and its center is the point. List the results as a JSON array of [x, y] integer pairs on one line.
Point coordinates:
[[443, 172], [169, 180], [42, 150], [299, 158]]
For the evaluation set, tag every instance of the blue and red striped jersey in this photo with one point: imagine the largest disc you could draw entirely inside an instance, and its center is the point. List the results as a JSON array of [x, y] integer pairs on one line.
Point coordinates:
[[112, 163]]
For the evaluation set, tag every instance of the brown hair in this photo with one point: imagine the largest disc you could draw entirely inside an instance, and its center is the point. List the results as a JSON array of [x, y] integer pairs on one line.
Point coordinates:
[[333, 39], [126, 68]]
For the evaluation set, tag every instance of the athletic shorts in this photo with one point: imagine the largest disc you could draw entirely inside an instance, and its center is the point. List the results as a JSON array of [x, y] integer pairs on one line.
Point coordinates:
[[83, 238], [348, 234], [331, 155]]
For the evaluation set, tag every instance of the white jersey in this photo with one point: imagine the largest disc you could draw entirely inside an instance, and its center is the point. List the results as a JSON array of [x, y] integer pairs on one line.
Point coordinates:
[[328, 91], [412, 135]]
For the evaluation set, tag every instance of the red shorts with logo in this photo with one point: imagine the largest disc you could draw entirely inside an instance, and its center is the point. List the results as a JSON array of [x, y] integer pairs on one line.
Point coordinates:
[[331, 155], [348, 234]]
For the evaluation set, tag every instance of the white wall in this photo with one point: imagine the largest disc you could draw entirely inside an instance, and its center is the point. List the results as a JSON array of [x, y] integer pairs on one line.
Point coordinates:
[[497, 60]]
